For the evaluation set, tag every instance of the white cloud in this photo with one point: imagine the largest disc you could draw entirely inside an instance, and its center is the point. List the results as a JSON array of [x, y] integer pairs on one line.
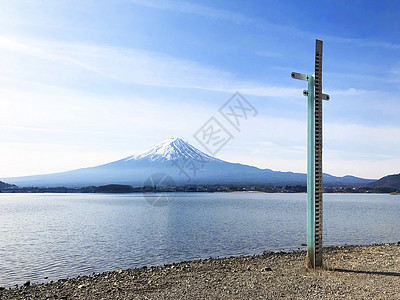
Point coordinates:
[[348, 92], [44, 59], [191, 8]]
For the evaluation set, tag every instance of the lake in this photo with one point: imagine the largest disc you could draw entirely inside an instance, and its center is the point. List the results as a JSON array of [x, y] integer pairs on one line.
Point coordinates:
[[56, 236]]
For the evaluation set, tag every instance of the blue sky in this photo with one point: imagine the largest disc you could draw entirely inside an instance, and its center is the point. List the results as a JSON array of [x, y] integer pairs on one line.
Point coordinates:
[[87, 82]]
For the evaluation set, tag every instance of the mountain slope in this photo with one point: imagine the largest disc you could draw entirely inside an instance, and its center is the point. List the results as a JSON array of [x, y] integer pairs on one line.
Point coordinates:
[[390, 181], [4, 185], [180, 160]]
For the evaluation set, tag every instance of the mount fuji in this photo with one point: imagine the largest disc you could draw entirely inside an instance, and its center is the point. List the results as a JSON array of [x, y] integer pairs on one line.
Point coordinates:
[[183, 163]]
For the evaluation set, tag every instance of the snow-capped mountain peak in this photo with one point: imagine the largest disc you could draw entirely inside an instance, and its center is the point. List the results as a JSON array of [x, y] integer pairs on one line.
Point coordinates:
[[170, 149], [173, 157]]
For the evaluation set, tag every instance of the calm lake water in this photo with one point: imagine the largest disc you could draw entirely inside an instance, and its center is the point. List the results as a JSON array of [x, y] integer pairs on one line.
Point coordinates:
[[65, 235]]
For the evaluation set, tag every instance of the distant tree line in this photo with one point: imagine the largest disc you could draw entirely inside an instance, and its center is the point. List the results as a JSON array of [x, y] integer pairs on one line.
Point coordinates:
[[120, 188]]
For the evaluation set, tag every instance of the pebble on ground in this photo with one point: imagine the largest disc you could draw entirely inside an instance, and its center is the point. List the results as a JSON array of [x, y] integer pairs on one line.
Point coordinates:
[[349, 272]]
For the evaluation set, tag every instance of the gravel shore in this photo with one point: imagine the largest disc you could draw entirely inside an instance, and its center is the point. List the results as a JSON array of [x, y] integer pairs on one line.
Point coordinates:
[[350, 272]]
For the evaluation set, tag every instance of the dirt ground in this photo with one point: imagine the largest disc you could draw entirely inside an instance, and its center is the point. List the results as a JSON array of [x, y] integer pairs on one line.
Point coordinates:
[[350, 272]]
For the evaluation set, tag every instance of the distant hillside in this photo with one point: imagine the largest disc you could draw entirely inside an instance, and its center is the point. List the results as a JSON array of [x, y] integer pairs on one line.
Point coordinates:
[[4, 185], [390, 181], [110, 188]]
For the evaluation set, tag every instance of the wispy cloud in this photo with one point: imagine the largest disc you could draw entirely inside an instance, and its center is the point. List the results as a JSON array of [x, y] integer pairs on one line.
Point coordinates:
[[195, 9], [269, 54], [46, 60], [134, 66], [350, 92], [362, 42], [130, 66]]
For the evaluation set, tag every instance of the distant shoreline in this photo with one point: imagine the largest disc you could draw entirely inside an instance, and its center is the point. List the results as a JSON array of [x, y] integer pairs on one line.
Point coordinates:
[[216, 192], [347, 273], [227, 188]]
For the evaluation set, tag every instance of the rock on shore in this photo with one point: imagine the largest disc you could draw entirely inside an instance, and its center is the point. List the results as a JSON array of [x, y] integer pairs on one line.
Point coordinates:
[[351, 272]]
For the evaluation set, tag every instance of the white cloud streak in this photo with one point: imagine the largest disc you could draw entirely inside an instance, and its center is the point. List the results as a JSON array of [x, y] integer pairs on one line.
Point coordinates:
[[135, 66], [129, 66], [195, 9]]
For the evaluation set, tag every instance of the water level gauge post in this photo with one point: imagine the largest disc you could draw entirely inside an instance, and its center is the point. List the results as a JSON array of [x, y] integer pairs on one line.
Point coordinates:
[[314, 158]]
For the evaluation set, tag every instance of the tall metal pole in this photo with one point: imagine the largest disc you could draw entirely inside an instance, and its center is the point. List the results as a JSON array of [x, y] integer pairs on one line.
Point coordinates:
[[314, 159], [318, 158]]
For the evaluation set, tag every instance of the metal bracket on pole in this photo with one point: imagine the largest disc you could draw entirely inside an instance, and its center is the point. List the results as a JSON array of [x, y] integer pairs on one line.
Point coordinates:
[[299, 76], [324, 96], [314, 158]]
